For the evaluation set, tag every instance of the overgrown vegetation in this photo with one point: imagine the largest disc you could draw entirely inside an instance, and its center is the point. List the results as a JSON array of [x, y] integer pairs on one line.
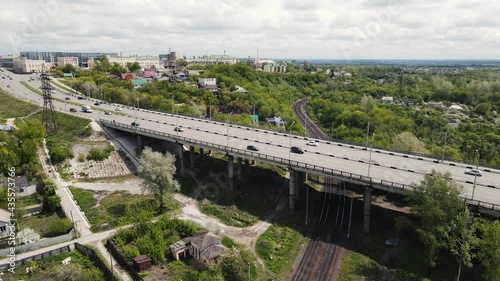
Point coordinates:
[[99, 154], [11, 107]]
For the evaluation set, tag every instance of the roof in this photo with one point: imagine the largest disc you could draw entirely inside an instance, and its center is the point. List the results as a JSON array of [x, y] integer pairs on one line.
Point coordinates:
[[127, 76], [7, 128], [203, 240], [138, 82], [456, 107], [240, 89], [254, 117], [209, 87], [68, 74], [149, 73], [4, 215], [21, 181], [141, 258]]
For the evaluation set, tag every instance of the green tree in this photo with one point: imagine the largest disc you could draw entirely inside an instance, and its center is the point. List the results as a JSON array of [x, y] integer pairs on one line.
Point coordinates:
[[436, 203], [69, 272], [232, 266], [157, 174], [407, 141], [461, 240], [489, 249], [133, 66], [103, 64]]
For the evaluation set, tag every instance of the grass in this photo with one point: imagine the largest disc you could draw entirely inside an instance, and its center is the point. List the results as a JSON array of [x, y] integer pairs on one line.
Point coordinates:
[[46, 269], [70, 127], [11, 107], [42, 223], [23, 201], [113, 208]]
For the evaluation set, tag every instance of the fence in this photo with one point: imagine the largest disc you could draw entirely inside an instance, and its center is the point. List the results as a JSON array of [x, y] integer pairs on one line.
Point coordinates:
[[98, 262], [39, 244], [122, 261], [55, 252]]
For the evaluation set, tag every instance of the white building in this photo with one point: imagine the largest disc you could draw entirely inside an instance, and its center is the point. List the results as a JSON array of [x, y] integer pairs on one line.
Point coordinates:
[[4, 222], [207, 81], [23, 65], [144, 62], [63, 61]]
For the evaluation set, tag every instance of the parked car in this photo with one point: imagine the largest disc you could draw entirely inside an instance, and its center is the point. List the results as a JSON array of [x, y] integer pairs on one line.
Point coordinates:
[[67, 98], [312, 143], [135, 124], [179, 129], [473, 172], [252, 147], [72, 109], [296, 149], [107, 113], [118, 109]]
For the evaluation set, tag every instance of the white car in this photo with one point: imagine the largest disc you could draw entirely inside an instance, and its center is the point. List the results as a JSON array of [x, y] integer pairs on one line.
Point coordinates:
[[473, 172], [118, 109], [312, 143]]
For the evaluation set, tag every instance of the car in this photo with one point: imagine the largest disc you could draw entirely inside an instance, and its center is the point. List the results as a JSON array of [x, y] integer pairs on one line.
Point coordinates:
[[135, 124], [118, 109], [107, 113], [312, 143], [296, 149], [97, 103], [8, 86], [80, 98], [67, 98], [473, 172], [179, 129], [72, 109], [252, 147], [10, 78]]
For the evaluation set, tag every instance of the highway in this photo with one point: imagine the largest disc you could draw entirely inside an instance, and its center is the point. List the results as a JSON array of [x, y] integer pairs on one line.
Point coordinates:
[[385, 165]]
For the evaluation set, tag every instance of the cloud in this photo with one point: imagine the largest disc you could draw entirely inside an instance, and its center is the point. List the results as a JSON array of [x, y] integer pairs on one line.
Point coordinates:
[[280, 28]]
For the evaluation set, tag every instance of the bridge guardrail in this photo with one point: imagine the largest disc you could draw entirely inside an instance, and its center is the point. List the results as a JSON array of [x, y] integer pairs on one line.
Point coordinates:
[[292, 164]]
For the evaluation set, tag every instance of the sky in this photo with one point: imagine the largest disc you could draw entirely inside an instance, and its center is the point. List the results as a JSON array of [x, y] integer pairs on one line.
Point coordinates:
[[300, 29]]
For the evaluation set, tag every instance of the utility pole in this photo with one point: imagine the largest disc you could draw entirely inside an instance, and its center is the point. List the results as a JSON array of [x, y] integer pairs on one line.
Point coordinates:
[[475, 174], [367, 132], [444, 148]]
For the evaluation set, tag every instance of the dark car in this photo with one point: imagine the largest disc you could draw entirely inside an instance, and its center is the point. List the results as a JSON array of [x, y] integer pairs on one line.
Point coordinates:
[[67, 98], [179, 129], [296, 149], [80, 98], [107, 113], [97, 103], [72, 109], [253, 148], [135, 124]]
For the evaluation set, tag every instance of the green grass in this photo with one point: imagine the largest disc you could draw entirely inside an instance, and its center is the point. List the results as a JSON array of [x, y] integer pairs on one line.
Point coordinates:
[[42, 224], [70, 127], [359, 267], [229, 215], [46, 268], [27, 201], [113, 209], [11, 107]]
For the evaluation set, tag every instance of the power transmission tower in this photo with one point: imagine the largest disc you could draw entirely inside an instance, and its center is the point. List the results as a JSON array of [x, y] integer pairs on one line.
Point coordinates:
[[49, 119]]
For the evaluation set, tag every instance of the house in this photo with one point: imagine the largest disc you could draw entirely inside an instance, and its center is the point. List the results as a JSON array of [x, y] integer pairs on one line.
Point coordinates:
[[7, 128], [4, 222], [149, 73], [274, 67], [182, 76], [276, 121], [435, 105], [23, 187], [209, 84], [255, 118], [203, 247], [239, 89], [68, 75], [138, 82], [127, 76]]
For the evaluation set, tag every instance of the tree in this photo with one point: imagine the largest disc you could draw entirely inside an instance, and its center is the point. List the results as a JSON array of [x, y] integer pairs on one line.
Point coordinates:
[[489, 249], [90, 87], [232, 266], [407, 141], [103, 64], [27, 236], [435, 202], [133, 66], [461, 239], [157, 174], [70, 272]]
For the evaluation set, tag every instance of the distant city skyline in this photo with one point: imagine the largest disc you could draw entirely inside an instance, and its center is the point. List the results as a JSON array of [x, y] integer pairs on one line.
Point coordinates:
[[316, 29]]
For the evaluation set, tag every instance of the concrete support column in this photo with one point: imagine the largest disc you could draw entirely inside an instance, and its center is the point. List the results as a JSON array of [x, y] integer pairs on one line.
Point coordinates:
[[201, 154], [299, 183], [247, 166], [140, 145], [291, 189], [240, 168], [209, 152], [230, 172], [191, 157], [367, 201], [181, 159], [254, 163]]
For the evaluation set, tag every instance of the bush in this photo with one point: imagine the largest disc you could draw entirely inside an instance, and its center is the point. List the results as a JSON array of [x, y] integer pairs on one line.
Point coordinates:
[[51, 203], [59, 227], [98, 154], [81, 157]]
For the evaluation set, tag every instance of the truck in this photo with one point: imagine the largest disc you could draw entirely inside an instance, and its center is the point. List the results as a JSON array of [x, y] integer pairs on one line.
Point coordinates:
[[87, 109]]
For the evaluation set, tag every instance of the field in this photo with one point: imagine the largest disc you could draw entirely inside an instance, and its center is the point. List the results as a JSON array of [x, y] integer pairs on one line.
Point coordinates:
[[11, 107]]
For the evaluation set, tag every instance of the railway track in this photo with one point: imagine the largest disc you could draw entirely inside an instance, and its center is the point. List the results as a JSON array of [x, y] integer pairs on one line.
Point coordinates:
[[312, 129], [320, 254]]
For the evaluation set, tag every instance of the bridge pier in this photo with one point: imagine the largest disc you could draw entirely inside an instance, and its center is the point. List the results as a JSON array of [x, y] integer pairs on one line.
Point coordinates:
[[240, 168], [201, 154], [247, 166], [230, 172], [191, 157], [140, 145], [181, 159], [367, 202], [292, 187]]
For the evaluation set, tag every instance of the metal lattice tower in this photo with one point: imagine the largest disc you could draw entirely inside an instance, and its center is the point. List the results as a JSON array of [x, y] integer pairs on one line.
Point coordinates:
[[49, 119]]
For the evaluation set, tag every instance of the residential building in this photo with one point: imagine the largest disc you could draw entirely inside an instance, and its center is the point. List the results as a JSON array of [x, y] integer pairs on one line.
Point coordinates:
[[274, 67], [203, 247], [83, 58], [149, 73], [127, 76], [138, 82], [168, 60], [209, 84], [387, 99], [4, 222], [213, 59], [23, 187], [276, 121], [63, 61], [24, 65], [144, 62]]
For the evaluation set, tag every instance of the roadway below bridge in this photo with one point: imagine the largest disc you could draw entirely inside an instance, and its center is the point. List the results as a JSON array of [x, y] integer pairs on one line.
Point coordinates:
[[385, 166]]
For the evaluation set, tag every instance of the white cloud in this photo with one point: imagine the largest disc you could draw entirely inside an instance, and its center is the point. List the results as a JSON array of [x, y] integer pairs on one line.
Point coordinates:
[[280, 28]]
